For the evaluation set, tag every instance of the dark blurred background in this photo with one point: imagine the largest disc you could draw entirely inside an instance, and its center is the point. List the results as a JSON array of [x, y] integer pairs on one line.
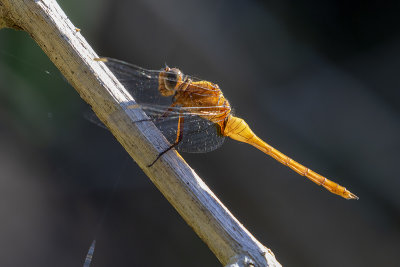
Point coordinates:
[[319, 80]]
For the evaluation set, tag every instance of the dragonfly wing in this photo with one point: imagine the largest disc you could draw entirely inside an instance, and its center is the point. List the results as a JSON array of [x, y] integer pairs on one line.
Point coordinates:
[[141, 83], [199, 135]]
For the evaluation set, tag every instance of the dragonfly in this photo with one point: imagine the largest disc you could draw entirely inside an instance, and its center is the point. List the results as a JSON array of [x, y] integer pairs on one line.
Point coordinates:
[[195, 117]]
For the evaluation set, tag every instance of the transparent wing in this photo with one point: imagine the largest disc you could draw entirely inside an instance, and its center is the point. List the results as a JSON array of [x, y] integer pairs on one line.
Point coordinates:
[[198, 136], [142, 84]]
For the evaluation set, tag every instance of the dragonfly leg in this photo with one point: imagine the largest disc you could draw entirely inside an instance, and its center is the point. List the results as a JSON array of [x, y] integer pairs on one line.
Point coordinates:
[[177, 140], [166, 113], [163, 116], [144, 120]]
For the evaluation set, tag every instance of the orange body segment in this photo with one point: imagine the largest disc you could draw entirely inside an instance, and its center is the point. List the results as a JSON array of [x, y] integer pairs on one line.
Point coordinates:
[[237, 128]]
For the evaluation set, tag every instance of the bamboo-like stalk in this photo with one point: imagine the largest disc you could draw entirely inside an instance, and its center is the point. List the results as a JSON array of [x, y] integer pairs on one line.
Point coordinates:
[[68, 50]]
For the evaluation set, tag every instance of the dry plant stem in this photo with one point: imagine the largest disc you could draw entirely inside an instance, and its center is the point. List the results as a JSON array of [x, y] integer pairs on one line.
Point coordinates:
[[68, 50]]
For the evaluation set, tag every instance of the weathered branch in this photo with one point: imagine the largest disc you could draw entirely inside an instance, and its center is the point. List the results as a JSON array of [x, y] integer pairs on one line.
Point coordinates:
[[65, 46]]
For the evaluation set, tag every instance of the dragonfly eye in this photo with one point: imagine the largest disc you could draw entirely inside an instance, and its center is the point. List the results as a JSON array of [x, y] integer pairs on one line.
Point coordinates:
[[173, 78], [169, 81]]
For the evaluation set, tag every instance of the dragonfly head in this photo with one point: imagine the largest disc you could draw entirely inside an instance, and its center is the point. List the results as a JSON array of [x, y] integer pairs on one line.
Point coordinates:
[[169, 81]]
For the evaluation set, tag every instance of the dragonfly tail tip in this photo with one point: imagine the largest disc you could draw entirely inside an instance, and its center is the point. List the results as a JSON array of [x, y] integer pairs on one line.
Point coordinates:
[[352, 196]]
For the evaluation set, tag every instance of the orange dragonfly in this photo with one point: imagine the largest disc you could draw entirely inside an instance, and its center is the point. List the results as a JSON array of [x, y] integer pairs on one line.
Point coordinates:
[[195, 116]]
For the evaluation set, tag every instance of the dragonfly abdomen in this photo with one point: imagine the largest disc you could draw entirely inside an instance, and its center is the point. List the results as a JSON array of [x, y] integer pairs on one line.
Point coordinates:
[[237, 128]]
